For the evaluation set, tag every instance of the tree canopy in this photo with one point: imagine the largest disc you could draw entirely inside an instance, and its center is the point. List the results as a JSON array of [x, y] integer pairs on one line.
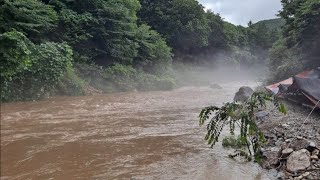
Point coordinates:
[[140, 39], [298, 49]]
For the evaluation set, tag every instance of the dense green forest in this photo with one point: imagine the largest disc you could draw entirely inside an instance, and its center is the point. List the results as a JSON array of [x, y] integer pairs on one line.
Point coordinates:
[[70, 47], [298, 47]]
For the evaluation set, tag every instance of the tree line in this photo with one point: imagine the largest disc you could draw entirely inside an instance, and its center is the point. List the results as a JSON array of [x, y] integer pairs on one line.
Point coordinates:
[[52, 47], [298, 47]]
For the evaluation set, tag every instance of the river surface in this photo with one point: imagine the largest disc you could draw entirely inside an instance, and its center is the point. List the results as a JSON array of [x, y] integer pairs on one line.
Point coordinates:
[[137, 135]]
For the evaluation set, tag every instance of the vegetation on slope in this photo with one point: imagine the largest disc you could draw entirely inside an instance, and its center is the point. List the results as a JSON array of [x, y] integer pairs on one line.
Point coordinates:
[[276, 23], [298, 49], [50, 47]]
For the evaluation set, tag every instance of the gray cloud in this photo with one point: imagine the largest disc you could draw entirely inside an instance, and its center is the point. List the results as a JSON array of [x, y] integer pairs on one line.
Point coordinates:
[[240, 12]]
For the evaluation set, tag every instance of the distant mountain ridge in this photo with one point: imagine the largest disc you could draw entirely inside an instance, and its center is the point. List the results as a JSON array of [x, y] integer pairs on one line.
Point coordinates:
[[271, 23]]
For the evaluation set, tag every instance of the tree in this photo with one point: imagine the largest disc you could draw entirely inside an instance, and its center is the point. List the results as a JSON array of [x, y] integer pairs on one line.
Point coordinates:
[[241, 114], [31, 17], [104, 31], [217, 37], [30, 71], [235, 35], [15, 50], [283, 61], [301, 31], [154, 56], [182, 22]]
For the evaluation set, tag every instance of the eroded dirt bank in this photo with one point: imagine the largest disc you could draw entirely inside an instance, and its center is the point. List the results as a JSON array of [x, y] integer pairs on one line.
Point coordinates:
[[142, 135]]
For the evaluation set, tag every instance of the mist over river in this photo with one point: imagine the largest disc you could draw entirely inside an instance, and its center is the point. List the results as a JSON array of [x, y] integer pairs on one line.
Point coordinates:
[[138, 135]]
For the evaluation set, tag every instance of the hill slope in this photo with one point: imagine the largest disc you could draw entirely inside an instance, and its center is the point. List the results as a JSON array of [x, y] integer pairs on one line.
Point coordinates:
[[272, 23]]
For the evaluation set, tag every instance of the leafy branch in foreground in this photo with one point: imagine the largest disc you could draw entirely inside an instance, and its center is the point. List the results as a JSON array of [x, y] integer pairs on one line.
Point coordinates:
[[242, 115]]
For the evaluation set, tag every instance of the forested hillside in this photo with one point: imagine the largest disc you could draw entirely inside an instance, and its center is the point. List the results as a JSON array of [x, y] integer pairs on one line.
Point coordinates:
[[70, 47], [277, 23], [298, 48]]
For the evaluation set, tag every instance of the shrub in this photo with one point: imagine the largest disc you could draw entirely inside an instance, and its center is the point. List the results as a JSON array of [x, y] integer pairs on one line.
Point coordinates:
[[15, 53], [127, 78], [154, 55], [241, 114], [283, 62], [149, 82], [123, 76], [71, 84], [46, 64], [165, 83], [94, 76]]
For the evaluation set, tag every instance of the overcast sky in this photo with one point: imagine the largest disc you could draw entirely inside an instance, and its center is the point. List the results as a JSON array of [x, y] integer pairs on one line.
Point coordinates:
[[242, 11]]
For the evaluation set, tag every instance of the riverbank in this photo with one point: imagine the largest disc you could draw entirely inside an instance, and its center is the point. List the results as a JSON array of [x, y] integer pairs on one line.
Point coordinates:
[[293, 143]]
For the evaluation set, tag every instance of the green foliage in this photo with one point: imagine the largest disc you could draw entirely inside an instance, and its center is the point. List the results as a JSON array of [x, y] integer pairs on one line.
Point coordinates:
[[233, 142], [47, 63], [31, 17], [100, 31], [283, 61], [277, 23], [72, 27], [127, 78], [94, 76], [217, 39], [307, 20], [196, 34], [51, 61], [122, 76], [154, 56], [165, 83], [301, 31], [298, 49], [15, 53], [104, 35], [130, 44], [234, 35], [192, 25], [71, 84], [182, 22], [233, 114]]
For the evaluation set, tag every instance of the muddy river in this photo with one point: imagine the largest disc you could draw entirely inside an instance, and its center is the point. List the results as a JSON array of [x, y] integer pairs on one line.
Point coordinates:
[[138, 135]]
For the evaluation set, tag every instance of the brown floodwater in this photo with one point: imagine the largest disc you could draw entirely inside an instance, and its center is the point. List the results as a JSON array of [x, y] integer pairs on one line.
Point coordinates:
[[137, 135]]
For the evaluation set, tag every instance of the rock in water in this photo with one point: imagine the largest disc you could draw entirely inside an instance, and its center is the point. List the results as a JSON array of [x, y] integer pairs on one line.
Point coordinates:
[[243, 94], [298, 160]]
